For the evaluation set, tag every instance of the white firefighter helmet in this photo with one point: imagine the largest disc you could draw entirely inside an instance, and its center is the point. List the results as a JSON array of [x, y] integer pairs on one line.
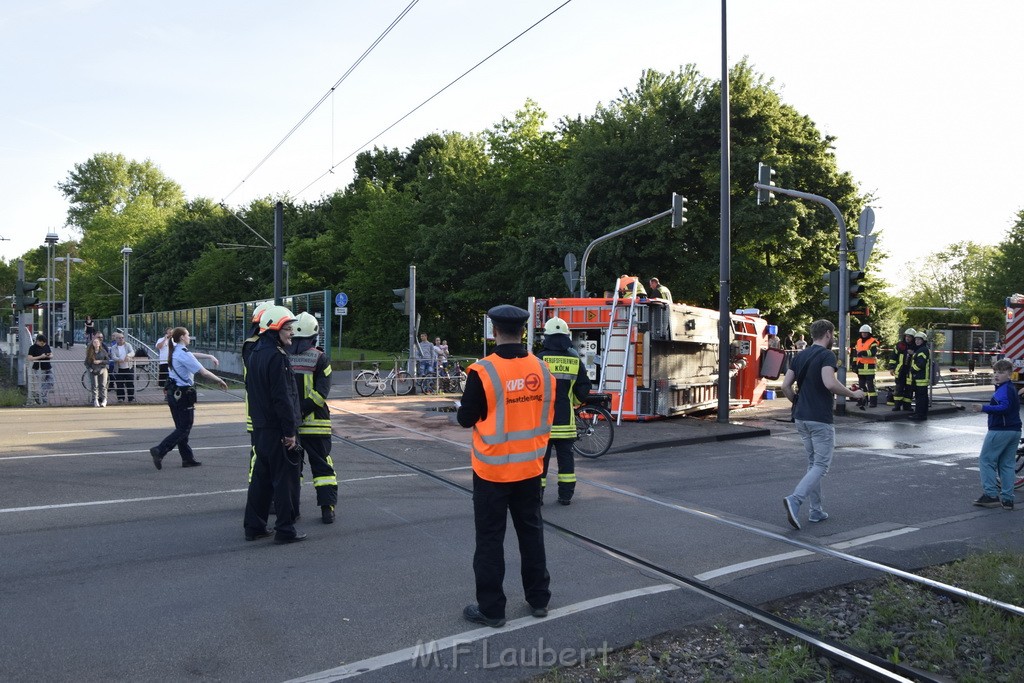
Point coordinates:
[[911, 332], [920, 334], [865, 328], [260, 308], [275, 317], [305, 325], [555, 326]]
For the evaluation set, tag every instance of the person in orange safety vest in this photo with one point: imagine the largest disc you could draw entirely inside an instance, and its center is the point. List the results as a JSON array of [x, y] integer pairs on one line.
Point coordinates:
[[866, 363], [509, 402]]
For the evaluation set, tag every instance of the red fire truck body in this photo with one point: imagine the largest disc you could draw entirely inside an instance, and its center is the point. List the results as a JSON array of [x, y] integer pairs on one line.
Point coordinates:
[[658, 358]]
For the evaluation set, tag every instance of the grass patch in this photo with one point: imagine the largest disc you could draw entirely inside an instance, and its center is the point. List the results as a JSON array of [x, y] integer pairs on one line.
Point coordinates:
[[11, 397]]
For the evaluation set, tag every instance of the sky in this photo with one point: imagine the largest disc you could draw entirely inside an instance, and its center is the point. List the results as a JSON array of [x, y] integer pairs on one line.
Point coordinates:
[[924, 98]]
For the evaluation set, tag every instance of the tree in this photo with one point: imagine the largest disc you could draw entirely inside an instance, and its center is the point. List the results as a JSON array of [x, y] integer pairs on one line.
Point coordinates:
[[953, 278]]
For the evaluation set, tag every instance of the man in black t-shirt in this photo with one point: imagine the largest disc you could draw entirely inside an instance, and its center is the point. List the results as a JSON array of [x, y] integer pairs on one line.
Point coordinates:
[[42, 376], [814, 370]]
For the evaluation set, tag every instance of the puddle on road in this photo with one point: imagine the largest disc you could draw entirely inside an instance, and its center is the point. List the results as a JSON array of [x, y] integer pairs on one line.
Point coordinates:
[[881, 444]]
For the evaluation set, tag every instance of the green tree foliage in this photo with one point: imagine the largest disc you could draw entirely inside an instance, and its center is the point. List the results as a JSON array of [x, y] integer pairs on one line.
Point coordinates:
[[1006, 275], [954, 278]]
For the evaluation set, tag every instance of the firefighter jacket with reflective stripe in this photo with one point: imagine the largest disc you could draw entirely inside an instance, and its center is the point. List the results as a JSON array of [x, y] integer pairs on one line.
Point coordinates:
[[313, 380], [898, 363], [270, 387], [571, 382], [509, 443], [247, 347], [867, 356], [920, 367]]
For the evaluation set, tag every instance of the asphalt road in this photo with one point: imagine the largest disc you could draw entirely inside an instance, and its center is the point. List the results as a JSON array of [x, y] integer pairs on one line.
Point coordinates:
[[113, 570]]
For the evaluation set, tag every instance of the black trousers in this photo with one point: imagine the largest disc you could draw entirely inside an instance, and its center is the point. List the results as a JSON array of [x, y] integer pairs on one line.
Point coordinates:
[[921, 402], [325, 481], [124, 382], [492, 503], [566, 467], [867, 385], [272, 475], [184, 414]]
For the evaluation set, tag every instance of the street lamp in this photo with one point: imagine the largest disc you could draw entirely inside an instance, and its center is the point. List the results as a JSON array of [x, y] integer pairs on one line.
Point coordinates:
[[68, 260], [126, 252], [51, 240]]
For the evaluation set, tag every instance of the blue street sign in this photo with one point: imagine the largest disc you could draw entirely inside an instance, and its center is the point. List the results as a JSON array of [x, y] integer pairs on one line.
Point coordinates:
[[341, 299]]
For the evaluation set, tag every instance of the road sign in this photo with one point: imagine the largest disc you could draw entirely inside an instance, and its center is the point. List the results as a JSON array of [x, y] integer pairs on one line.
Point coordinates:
[[341, 299], [340, 310], [570, 261], [866, 222]]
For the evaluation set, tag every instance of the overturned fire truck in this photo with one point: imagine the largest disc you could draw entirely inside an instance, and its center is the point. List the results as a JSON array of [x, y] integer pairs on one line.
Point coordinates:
[[657, 358]]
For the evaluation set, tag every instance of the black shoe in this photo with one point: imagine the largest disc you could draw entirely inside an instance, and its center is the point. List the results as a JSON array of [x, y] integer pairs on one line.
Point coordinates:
[[157, 458], [473, 613], [327, 514], [565, 501], [897, 409], [539, 612], [258, 535], [987, 501], [278, 538], [1007, 504], [191, 463]]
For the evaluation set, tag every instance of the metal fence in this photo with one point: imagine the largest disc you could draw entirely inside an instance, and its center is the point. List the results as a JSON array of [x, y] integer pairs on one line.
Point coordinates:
[[70, 383]]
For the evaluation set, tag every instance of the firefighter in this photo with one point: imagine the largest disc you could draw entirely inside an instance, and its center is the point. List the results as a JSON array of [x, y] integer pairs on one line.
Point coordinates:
[[899, 364], [659, 291], [865, 364], [920, 375], [630, 287], [313, 379], [509, 404], [247, 347], [276, 458], [572, 385]]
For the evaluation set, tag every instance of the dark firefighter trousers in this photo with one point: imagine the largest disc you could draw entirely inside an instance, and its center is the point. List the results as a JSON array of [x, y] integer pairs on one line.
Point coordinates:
[[272, 475], [566, 467], [318, 452]]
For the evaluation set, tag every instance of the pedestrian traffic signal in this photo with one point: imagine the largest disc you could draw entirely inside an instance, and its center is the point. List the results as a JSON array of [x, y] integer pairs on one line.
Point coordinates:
[[831, 290], [678, 210], [764, 177], [23, 299], [856, 290], [403, 303]]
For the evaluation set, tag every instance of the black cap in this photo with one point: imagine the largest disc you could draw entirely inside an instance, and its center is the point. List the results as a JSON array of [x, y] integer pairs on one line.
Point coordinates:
[[508, 315]]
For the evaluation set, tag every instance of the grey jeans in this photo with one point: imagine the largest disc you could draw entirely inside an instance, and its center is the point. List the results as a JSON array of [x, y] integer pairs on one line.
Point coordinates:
[[819, 441]]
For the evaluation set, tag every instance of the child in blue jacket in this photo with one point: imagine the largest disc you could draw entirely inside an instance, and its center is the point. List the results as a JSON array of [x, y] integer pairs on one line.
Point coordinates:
[[999, 450]]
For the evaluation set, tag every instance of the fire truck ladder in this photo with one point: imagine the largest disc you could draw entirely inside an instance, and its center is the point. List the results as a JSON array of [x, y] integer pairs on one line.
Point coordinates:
[[616, 350]]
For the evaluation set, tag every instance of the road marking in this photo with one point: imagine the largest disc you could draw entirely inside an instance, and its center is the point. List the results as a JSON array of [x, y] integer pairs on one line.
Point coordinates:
[[426, 652], [773, 559], [75, 455], [939, 462], [120, 501], [897, 456]]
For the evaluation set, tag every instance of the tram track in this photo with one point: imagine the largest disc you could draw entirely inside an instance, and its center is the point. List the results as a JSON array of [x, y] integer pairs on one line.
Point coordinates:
[[865, 663]]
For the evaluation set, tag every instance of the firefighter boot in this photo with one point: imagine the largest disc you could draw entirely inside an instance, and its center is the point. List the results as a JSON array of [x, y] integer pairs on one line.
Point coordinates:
[[873, 401], [327, 514]]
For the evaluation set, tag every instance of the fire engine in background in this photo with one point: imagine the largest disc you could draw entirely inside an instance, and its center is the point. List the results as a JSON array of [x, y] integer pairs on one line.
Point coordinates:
[[1013, 340], [657, 358]]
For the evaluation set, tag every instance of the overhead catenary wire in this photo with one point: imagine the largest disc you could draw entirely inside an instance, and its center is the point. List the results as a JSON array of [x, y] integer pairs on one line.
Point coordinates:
[[323, 99], [412, 111]]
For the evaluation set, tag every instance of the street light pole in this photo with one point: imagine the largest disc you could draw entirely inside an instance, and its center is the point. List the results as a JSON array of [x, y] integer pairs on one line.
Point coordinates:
[[126, 252], [51, 240]]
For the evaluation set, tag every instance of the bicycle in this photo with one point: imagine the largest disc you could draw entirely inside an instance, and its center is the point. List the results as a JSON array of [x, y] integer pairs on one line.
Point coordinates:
[[369, 382], [145, 374], [444, 381], [595, 426]]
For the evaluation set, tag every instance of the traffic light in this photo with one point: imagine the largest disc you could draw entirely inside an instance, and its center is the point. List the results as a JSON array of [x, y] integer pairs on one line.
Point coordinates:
[[678, 210], [23, 299], [764, 177], [856, 290], [831, 290], [402, 304]]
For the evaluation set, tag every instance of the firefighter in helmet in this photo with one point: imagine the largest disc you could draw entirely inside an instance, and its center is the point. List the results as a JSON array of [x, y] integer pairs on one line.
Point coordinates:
[[865, 363], [920, 375], [571, 387], [274, 407], [899, 364], [313, 380]]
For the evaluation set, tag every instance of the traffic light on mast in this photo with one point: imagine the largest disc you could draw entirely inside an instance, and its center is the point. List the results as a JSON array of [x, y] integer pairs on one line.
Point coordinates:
[[856, 292], [764, 177], [831, 290], [23, 298], [403, 302], [678, 210]]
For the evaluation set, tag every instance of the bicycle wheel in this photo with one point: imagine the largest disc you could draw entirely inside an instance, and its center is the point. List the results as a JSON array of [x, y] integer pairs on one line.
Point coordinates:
[[366, 383], [144, 375], [403, 383], [595, 431], [87, 381]]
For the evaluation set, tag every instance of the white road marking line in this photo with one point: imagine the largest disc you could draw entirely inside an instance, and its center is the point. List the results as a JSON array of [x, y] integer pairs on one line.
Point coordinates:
[[75, 455], [773, 559], [897, 456], [58, 506], [427, 651], [939, 462]]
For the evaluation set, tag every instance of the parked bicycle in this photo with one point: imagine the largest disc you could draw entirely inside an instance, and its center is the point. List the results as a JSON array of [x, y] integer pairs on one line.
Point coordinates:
[[447, 379], [369, 382], [595, 426], [146, 373]]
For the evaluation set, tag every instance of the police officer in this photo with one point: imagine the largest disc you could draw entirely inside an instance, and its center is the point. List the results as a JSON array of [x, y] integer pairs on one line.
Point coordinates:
[[509, 403], [571, 386], [866, 362], [274, 406], [920, 375], [313, 381], [899, 364]]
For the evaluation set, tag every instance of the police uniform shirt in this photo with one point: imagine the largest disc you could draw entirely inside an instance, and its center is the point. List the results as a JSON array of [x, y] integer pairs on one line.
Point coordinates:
[[183, 367]]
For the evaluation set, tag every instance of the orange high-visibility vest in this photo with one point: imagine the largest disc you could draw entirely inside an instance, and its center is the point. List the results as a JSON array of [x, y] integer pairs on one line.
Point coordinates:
[[509, 444], [865, 345]]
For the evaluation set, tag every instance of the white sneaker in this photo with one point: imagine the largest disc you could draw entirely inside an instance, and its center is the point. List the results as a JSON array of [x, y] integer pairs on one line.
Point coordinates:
[[95, 404], [103, 404]]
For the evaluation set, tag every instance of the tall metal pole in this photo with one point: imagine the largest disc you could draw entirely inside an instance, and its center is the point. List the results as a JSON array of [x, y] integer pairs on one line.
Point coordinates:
[[126, 252], [411, 301], [278, 250], [725, 245]]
